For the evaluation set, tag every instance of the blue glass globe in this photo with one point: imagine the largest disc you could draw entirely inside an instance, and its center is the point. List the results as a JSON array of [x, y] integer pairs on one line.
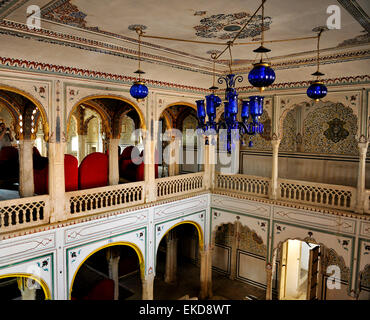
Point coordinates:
[[261, 76], [317, 90], [139, 90]]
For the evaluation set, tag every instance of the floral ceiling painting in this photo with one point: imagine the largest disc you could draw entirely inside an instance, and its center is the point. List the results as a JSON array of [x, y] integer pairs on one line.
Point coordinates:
[[227, 26]]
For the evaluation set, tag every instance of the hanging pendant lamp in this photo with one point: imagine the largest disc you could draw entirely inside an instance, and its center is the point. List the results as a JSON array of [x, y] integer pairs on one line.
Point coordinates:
[[261, 75], [317, 90], [139, 90]]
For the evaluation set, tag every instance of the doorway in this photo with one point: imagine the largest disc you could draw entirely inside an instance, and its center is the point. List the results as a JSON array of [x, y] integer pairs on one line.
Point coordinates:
[[299, 270]]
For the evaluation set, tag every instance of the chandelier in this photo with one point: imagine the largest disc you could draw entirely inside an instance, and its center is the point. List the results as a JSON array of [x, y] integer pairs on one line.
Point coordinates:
[[261, 76], [317, 90]]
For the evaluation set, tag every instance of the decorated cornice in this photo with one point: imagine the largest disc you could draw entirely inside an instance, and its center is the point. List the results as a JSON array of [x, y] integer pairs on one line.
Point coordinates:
[[39, 67], [51, 37], [19, 64]]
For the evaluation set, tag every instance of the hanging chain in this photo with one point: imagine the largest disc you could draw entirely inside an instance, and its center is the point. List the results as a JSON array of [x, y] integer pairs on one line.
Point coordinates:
[[318, 50]]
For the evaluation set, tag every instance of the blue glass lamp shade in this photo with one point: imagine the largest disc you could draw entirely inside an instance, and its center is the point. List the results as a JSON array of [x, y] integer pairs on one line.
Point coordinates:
[[139, 90], [317, 90], [201, 111], [233, 105], [245, 110], [256, 107], [211, 107], [261, 76], [217, 100]]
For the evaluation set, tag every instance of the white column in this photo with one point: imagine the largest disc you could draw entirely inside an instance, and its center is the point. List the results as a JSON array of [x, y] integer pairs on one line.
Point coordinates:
[[26, 182], [113, 264], [274, 188], [149, 170], [81, 148], [113, 162], [206, 273], [57, 182], [147, 287], [362, 146], [171, 258], [209, 160]]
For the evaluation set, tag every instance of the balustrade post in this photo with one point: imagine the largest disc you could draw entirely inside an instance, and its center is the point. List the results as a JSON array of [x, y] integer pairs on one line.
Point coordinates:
[[26, 182], [274, 187], [113, 162], [57, 182], [361, 187]]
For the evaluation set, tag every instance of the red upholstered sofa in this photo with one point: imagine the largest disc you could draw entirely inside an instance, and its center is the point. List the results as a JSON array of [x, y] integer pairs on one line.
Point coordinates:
[[93, 171], [70, 172]]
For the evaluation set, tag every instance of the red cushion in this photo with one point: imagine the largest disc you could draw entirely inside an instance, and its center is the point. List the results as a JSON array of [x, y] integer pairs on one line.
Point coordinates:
[[41, 181], [126, 153], [140, 172], [104, 290], [93, 171], [70, 172], [9, 153]]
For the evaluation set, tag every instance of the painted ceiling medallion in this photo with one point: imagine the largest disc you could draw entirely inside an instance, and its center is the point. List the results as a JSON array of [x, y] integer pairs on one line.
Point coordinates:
[[226, 26]]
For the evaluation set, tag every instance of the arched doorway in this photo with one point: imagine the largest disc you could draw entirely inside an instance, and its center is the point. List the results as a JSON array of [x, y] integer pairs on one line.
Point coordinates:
[[24, 133], [178, 263], [104, 136], [238, 263], [111, 273], [22, 287], [178, 141]]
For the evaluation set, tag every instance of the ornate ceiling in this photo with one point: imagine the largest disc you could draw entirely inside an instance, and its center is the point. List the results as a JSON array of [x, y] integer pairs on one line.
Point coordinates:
[[97, 35]]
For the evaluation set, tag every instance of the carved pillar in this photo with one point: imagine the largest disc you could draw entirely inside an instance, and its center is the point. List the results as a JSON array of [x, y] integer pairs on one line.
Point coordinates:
[[149, 169], [362, 145], [206, 273], [274, 188], [171, 258], [209, 160], [113, 162], [147, 285], [57, 181], [174, 157], [268, 281], [113, 256], [26, 182]]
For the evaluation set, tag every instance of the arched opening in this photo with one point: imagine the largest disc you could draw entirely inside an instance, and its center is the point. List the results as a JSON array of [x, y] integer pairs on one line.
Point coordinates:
[[299, 270], [238, 263], [178, 141], [23, 287], [110, 273], [104, 137], [24, 132], [178, 263]]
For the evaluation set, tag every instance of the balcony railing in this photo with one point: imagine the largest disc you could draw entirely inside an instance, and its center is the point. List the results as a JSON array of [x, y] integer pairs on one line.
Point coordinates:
[[92, 201], [30, 212], [318, 194], [240, 183], [23, 213], [179, 185]]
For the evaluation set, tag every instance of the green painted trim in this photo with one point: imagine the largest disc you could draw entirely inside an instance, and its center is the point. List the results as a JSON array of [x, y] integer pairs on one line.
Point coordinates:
[[360, 241], [102, 239], [51, 255]]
